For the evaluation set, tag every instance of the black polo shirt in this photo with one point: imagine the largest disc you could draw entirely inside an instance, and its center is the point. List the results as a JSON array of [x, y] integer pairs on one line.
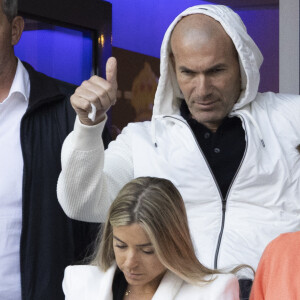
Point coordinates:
[[223, 149]]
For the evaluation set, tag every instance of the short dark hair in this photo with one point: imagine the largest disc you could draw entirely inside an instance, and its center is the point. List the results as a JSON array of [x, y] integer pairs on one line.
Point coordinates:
[[10, 8]]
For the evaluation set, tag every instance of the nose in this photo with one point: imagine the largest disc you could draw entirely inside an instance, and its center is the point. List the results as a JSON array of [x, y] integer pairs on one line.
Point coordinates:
[[202, 86], [131, 261]]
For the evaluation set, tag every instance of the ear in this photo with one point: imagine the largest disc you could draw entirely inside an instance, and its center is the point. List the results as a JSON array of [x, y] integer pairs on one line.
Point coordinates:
[[16, 29]]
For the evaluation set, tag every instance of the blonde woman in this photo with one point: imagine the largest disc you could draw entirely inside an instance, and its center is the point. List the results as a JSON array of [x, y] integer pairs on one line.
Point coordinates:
[[146, 252]]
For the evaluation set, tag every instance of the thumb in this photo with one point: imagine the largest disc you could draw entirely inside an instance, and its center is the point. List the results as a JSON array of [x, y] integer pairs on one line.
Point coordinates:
[[111, 70]]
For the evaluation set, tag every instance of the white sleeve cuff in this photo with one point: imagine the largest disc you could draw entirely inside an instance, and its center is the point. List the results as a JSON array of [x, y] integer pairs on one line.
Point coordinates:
[[85, 137]]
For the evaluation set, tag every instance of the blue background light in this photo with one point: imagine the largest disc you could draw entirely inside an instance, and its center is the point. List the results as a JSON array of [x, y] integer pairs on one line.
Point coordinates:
[[59, 52]]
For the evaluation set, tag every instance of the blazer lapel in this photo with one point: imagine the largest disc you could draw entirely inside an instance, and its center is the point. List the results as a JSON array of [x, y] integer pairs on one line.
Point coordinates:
[[168, 287], [105, 286]]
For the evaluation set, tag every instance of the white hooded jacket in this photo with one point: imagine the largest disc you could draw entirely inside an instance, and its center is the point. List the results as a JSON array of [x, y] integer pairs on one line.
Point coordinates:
[[263, 199]]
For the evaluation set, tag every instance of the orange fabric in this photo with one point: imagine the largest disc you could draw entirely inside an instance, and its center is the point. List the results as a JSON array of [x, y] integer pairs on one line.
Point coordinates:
[[278, 272]]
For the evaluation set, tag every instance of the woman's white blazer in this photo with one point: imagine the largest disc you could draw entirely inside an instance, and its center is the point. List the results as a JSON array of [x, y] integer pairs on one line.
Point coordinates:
[[90, 283]]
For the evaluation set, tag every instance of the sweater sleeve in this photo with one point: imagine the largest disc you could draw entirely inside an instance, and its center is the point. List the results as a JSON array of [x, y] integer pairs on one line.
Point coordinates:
[[277, 275], [259, 284], [91, 177], [265, 269]]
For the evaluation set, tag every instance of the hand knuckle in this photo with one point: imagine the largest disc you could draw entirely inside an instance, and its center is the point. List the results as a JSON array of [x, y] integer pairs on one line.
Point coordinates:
[[94, 78], [102, 94], [84, 83], [77, 90], [86, 106]]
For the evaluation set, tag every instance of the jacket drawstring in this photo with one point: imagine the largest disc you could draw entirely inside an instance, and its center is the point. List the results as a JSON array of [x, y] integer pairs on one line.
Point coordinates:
[[153, 131]]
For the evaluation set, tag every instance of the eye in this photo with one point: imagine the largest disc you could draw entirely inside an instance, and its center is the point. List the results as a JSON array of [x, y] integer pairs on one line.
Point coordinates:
[[187, 72], [121, 246], [148, 251], [216, 70]]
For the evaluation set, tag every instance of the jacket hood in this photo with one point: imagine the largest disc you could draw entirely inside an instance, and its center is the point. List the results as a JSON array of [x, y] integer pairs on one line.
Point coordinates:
[[168, 95]]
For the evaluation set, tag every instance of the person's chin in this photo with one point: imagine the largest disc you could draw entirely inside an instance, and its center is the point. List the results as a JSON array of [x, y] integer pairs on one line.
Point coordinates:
[[205, 116]]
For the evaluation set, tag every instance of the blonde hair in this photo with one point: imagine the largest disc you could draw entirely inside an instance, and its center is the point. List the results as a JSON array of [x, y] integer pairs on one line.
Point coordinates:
[[157, 206]]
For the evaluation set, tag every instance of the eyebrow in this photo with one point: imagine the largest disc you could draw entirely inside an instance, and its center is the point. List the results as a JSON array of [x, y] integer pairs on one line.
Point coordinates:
[[183, 68], [220, 65], [140, 245]]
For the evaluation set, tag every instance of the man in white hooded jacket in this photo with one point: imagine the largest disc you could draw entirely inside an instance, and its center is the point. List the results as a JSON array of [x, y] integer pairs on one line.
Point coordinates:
[[231, 151]]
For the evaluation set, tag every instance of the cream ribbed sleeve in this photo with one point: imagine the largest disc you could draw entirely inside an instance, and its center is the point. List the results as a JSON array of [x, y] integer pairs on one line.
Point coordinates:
[[91, 177]]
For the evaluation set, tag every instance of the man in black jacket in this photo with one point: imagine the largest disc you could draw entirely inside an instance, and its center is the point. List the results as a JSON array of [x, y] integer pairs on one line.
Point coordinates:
[[37, 240]]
